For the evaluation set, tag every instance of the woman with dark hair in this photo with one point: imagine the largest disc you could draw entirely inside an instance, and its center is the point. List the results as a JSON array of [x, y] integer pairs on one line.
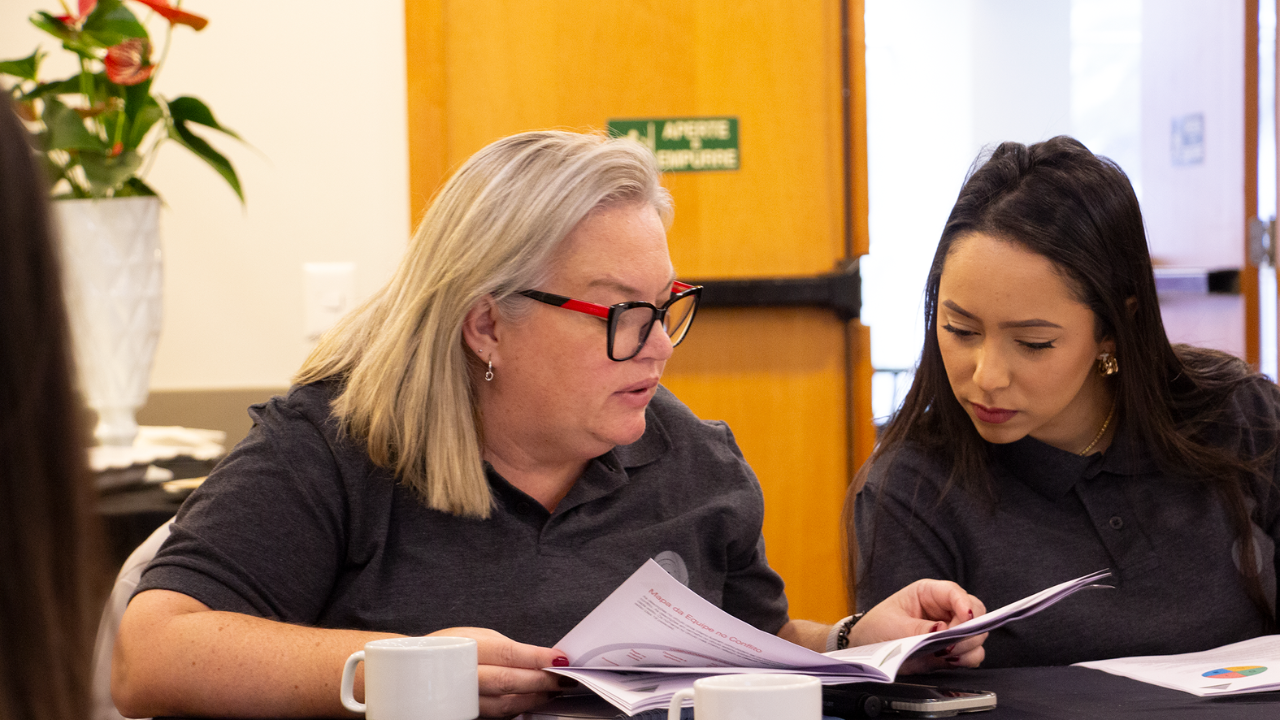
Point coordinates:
[[1052, 430], [48, 604]]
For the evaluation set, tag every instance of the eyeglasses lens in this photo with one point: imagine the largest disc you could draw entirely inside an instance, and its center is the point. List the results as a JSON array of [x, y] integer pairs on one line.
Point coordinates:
[[634, 324], [679, 318], [631, 332]]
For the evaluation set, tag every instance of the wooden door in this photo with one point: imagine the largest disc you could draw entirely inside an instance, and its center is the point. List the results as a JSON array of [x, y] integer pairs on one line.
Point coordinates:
[[789, 381]]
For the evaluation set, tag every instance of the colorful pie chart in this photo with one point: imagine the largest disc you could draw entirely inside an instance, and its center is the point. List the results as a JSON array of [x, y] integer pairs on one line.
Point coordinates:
[[1237, 671]]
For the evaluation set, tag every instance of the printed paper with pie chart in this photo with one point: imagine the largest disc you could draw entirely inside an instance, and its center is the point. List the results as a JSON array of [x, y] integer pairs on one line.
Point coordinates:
[[1244, 667], [1237, 671]]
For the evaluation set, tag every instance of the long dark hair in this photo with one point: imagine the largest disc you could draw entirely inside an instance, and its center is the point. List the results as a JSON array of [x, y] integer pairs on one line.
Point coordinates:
[[49, 597], [1078, 210]]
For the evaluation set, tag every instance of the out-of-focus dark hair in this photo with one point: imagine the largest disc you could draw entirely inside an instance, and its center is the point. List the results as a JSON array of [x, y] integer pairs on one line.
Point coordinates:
[[49, 539], [1058, 200]]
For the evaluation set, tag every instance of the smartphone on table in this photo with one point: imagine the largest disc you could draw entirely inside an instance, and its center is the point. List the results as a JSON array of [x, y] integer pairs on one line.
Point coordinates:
[[869, 700]]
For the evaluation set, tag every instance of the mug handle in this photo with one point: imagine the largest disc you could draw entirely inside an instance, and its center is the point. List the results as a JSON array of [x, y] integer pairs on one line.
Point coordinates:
[[677, 702], [349, 682]]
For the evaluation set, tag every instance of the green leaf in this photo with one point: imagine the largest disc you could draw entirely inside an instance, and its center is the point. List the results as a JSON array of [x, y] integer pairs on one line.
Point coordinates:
[[53, 26], [110, 22], [188, 109], [25, 68], [69, 86], [114, 126], [66, 131], [135, 187], [72, 39], [143, 120], [82, 48], [103, 88], [137, 97], [53, 172], [108, 173], [205, 151], [141, 112]]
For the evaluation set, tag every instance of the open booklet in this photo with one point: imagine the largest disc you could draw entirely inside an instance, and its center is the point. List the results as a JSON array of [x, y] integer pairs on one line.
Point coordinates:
[[653, 636], [1248, 666]]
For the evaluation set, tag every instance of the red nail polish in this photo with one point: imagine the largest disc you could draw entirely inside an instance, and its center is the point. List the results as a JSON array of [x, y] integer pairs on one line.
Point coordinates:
[[953, 660], [560, 661], [938, 627], [970, 614]]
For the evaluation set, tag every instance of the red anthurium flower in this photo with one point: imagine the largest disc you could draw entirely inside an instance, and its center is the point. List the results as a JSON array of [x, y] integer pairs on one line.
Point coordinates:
[[116, 149], [86, 7], [174, 15], [129, 62]]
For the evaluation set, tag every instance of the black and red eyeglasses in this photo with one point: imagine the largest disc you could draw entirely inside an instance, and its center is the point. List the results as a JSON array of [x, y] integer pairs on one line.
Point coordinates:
[[631, 322]]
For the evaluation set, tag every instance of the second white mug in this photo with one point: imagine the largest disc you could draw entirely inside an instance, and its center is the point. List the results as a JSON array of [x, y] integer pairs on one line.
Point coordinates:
[[751, 697], [415, 678]]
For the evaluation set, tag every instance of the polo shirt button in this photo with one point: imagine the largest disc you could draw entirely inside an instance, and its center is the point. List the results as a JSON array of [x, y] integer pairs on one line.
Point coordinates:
[[524, 508], [1116, 523]]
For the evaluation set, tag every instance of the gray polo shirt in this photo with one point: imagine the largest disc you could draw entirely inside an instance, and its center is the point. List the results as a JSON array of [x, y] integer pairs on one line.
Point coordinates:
[[298, 525], [1058, 516]]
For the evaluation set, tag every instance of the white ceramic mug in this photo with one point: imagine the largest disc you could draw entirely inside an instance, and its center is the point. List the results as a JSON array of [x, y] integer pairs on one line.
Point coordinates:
[[751, 697], [415, 678]]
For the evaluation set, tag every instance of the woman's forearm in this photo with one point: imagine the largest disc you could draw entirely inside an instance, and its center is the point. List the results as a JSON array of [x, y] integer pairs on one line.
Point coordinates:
[[175, 656], [806, 633]]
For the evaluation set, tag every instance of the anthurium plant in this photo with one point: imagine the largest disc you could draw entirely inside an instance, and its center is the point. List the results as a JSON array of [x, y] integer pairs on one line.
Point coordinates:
[[99, 129]]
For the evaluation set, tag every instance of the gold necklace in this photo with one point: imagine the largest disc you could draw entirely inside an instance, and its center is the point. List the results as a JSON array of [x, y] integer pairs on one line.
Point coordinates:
[[1101, 431]]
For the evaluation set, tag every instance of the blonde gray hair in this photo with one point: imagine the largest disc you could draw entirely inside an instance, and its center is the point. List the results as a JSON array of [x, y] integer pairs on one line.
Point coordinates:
[[407, 377]]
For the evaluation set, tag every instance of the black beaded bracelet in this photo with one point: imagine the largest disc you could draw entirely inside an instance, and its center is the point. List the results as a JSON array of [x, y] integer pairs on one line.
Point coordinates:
[[842, 637]]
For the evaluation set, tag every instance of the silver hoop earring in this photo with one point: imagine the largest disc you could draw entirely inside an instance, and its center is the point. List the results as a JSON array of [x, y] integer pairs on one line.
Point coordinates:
[[1108, 365], [488, 376]]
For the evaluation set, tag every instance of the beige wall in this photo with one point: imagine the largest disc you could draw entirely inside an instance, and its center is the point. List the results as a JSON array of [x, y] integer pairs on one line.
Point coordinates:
[[1193, 63], [1193, 59], [318, 90]]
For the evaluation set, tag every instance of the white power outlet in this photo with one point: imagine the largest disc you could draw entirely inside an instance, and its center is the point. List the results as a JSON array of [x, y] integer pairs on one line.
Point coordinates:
[[330, 290]]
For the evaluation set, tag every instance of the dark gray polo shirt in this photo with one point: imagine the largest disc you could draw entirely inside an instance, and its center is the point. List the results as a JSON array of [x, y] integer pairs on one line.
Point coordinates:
[[298, 525], [1058, 516]]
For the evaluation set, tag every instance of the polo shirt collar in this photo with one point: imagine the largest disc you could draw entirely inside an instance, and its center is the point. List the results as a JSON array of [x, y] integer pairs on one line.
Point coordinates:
[[608, 473], [1044, 468], [1053, 472]]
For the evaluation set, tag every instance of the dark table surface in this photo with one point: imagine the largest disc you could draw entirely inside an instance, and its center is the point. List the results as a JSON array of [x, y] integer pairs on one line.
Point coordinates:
[[1060, 693], [1072, 692]]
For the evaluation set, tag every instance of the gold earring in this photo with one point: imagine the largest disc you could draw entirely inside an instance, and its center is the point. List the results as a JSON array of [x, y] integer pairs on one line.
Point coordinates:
[[488, 376], [1107, 364]]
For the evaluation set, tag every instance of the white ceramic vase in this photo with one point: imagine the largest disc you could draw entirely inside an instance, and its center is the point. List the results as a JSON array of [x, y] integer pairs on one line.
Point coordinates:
[[113, 278]]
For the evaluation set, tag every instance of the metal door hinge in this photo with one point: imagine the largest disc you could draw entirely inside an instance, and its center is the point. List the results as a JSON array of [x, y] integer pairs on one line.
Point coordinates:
[[1262, 243]]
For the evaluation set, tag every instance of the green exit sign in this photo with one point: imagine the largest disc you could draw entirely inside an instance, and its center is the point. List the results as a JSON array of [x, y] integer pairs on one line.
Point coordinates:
[[685, 144]]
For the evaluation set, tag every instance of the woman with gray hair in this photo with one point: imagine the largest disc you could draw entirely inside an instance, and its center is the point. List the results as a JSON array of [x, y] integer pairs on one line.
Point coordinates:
[[481, 449]]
